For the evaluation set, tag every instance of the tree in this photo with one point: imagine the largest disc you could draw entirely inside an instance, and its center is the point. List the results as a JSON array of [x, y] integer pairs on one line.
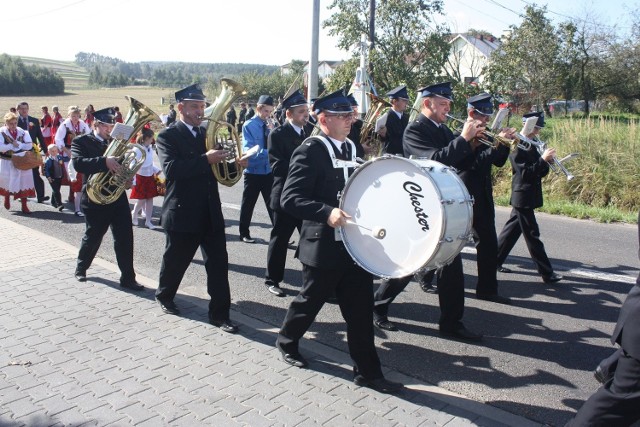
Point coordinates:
[[526, 65], [409, 47]]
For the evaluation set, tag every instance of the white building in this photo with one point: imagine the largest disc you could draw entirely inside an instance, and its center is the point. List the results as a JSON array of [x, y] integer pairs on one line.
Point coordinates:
[[469, 54]]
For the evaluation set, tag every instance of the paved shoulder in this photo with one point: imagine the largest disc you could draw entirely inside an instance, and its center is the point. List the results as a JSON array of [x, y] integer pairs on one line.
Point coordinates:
[[91, 354]]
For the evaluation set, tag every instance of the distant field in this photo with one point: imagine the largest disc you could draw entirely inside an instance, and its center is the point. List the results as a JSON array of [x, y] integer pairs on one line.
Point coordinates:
[[100, 98], [75, 77]]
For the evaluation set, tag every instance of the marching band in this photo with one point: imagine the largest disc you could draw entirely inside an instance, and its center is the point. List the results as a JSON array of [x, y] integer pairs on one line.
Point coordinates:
[[313, 178]]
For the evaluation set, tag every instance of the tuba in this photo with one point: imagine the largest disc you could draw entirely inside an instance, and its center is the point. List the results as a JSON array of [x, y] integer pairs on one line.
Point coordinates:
[[368, 135], [106, 187], [229, 171]]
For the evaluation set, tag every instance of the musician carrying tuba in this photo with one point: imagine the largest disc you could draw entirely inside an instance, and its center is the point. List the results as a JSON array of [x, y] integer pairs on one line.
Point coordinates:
[[390, 126], [92, 157]]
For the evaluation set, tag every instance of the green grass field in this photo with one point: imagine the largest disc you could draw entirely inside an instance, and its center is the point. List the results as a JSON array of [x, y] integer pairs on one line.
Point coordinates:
[[75, 77]]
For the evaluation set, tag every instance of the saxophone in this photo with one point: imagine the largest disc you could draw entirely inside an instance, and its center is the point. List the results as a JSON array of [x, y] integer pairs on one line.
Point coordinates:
[[229, 171], [106, 187]]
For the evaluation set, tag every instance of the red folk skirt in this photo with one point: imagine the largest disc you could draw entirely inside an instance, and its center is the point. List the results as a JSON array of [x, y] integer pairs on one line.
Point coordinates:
[[145, 188]]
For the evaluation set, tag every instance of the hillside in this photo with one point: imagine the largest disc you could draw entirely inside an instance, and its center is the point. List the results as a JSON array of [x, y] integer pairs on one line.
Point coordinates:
[[75, 77]]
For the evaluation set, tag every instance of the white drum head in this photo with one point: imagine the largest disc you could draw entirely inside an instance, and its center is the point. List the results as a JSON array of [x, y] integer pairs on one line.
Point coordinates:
[[394, 195]]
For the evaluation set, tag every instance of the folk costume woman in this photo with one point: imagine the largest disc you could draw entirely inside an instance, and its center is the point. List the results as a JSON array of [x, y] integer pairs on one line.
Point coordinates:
[[14, 141], [145, 188]]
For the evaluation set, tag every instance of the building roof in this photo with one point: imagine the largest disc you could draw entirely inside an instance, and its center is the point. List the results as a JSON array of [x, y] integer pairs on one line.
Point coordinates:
[[485, 45]]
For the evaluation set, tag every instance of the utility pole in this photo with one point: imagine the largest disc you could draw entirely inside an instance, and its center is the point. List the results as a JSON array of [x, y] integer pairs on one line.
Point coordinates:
[[312, 72], [372, 34]]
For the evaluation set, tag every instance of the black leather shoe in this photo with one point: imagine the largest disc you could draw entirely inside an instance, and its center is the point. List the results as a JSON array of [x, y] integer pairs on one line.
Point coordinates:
[[601, 376], [428, 288], [552, 279], [225, 326], [293, 359], [81, 276], [275, 289], [385, 324], [169, 307], [134, 286], [247, 239], [44, 199], [461, 333], [494, 298], [502, 269], [381, 385]]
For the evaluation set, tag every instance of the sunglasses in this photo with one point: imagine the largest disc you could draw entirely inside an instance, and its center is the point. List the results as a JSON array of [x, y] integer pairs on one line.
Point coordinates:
[[342, 116]]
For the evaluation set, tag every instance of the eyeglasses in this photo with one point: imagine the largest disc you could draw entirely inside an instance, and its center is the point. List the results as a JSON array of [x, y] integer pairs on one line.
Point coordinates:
[[342, 116]]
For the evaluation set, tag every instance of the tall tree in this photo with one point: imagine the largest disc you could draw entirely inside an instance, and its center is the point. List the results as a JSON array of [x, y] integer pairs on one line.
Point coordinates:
[[409, 47], [526, 66]]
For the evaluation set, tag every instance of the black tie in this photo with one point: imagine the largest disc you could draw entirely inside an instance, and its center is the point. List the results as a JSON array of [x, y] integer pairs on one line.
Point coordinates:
[[302, 135], [345, 151], [196, 129], [23, 123]]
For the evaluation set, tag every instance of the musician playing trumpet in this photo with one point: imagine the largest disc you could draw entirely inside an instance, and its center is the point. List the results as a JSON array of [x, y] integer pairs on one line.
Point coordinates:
[[477, 178], [529, 167]]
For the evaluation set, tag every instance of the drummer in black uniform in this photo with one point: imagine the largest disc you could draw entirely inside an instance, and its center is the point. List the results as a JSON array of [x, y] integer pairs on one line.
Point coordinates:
[[88, 156], [311, 194], [429, 137]]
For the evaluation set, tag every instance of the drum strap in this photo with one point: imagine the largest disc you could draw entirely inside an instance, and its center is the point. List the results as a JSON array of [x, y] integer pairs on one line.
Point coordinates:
[[337, 163]]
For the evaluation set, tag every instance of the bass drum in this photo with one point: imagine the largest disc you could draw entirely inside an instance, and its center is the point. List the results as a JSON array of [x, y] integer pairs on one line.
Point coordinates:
[[407, 215]]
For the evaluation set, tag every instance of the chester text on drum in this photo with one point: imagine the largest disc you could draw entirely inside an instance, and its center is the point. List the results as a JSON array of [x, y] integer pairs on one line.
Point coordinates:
[[411, 188]]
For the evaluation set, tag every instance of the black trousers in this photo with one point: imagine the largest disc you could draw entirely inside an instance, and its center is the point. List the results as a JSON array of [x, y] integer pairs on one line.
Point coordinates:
[[523, 221], [283, 226], [354, 289], [178, 254], [254, 185], [98, 219], [616, 403], [56, 197], [450, 281], [484, 231], [38, 183]]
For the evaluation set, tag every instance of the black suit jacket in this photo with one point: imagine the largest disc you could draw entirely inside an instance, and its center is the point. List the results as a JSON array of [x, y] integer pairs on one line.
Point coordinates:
[[395, 130], [310, 193], [191, 198], [35, 133], [478, 178], [422, 138], [627, 332], [88, 155], [281, 143], [526, 184]]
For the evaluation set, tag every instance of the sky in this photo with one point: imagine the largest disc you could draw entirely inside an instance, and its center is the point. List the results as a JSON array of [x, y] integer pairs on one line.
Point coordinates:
[[246, 31]]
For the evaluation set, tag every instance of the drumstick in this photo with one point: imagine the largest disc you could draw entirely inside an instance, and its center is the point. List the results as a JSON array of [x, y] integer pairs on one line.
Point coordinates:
[[377, 232]]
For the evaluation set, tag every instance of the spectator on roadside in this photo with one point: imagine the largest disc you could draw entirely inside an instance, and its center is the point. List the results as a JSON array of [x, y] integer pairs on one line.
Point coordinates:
[[54, 171], [14, 141], [118, 116], [32, 126], [144, 187], [231, 118], [88, 115], [56, 121], [171, 117], [242, 116], [46, 124], [250, 112], [70, 128]]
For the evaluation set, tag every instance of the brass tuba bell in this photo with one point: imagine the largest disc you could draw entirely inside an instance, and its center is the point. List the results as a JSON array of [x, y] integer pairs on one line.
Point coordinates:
[[229, 171], [368, 135], [106, 187]]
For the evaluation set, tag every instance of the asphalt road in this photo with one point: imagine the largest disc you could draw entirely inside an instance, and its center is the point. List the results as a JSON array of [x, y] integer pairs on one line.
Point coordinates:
[[538, 354]]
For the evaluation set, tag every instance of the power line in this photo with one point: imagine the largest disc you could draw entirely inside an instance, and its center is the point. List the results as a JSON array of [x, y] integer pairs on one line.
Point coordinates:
[[46, 12]]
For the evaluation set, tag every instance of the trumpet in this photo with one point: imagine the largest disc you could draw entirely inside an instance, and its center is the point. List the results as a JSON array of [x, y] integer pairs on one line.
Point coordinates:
[[497, 139], [557, 166]]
